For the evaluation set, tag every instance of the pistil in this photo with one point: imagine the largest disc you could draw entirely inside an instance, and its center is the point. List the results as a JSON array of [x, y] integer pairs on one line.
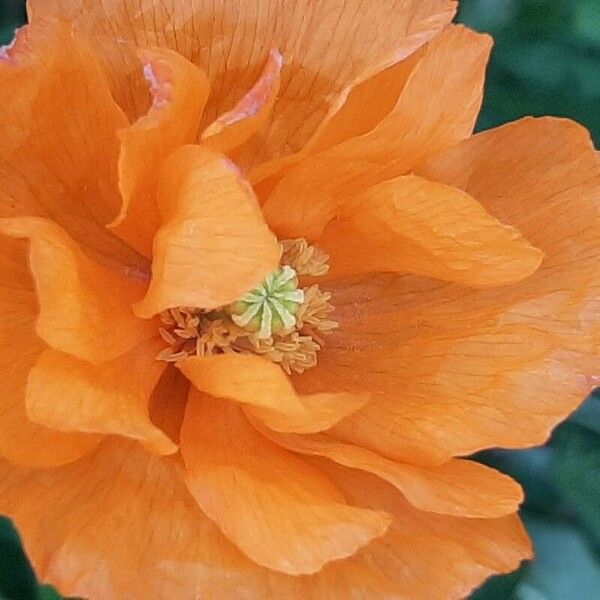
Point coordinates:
[[279, 319]]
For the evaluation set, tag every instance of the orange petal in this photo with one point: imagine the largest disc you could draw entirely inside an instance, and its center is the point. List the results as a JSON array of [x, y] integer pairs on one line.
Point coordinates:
[[480, 368], [437, 109], [21, 441], [328, 48], [283, 514], [501, 168], [70, 395], [167, 404], [236, 126], [559, 215], [461, 488], [267, 393], [213, 245], [85, 308], [460, 391], [179, 93], [433, 556], [172, 546], [133, 527], [365, 107], [59, 151], [141, 519], [409, 224]]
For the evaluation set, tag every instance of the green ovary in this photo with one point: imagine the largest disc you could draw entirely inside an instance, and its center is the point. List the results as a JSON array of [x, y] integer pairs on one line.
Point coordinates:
[[271, 307]]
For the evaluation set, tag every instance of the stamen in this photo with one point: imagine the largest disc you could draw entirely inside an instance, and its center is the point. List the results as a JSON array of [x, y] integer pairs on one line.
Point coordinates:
[[304, 258], [278, 320]]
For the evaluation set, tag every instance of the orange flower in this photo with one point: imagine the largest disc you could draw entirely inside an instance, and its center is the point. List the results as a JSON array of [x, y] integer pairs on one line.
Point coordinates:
[[408, 294]]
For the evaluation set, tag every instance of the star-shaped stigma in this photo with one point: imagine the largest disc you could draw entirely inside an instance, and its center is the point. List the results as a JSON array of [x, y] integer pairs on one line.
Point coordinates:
[[272, 306]]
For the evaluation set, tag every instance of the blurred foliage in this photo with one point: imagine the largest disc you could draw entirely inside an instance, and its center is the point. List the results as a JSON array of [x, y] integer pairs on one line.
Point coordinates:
[[12, 14], [546, 61]]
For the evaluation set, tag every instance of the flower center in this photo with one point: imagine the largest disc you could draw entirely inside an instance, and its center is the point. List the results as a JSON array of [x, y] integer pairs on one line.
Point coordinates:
[[271, 307], [279, 319]]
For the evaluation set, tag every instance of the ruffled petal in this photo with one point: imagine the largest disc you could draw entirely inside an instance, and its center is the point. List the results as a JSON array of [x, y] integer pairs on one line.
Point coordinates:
[[85, 308], [143, 521], [280, 512], [132, 509], [22, 441], [452, 394], [153, 539], [179, 94], [409, 224], [70, 395], [461, 488], [328, 48], [267, 394], [59, 151], [557, 212], [252, 112], [364, 108], [366, 105], [480, 368], [213, 245], [151, 527], [168, 401], [436, 109], [428, 556]]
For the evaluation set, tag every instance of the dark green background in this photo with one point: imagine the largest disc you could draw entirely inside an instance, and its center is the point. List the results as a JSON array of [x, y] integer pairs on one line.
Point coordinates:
[[546, 61]]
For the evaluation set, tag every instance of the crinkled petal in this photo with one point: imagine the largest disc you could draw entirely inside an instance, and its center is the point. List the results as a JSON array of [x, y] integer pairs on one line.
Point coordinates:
[[329, 47], [22, 441], [154, 540], [452, 394], [70, 395], [156, 543], [366, 105], [364, 108], [279, 511], [85, 308], [179, 94], [213, 245], [558, 211], [433, 556], [267, 394], [168, 401], [412, 225], [480, 368], [231, 129], [436, 109], [131, 509], [461, 488], [59, 151]]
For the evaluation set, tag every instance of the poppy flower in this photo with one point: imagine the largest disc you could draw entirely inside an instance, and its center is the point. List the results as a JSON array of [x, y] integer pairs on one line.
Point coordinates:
[[266, 291]]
